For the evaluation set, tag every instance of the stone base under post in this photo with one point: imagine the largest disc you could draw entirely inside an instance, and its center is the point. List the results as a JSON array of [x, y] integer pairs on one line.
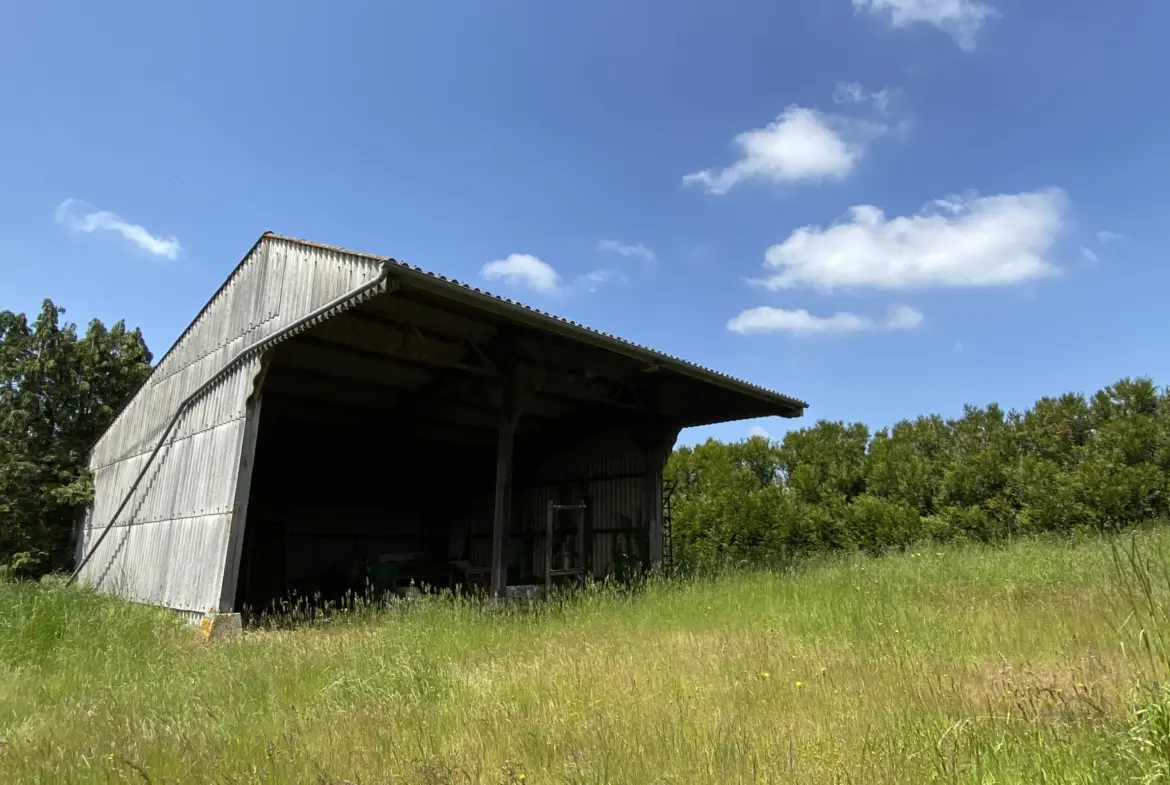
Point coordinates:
[[220, 626]]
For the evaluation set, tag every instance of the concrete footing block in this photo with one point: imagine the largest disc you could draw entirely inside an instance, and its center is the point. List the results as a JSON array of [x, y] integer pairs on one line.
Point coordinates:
[[220, 626]]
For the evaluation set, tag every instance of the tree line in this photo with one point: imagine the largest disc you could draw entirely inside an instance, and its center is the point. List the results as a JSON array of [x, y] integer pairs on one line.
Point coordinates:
[[1068, 463], [58, 392]]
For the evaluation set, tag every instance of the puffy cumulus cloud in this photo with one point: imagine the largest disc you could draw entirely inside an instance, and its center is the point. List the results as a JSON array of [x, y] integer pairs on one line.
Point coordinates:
[[961, 241], [961, 19], [521, 269], [766, 319], [802, 144], [80, 218], [530, 272]]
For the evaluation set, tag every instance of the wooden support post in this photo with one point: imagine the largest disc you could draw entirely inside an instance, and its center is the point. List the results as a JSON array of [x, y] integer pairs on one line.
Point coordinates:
[[238, 521], [509, 416], [582, 561], [229, 588], [548, 550]]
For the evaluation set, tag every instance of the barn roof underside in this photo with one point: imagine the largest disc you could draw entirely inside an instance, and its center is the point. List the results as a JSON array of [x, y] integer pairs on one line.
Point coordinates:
[[429, 354]]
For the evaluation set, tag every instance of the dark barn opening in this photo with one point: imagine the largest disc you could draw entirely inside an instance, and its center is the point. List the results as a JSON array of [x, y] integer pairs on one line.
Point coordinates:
[[420, 437]]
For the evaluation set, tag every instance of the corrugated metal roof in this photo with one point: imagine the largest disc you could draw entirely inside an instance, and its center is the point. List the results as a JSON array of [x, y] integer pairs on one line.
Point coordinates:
[[489, 301]]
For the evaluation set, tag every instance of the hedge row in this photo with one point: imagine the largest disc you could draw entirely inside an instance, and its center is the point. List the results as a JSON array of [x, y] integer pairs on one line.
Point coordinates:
[[1066, 464]]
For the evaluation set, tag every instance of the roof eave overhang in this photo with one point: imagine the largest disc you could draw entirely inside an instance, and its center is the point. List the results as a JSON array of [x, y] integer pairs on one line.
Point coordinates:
[[777, 404]]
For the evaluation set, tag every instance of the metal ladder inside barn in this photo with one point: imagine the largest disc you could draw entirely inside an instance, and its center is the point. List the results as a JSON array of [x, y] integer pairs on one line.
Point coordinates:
[[667, 528]]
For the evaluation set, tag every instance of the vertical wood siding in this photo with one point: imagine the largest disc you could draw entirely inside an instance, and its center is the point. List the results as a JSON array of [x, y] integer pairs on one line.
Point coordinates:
[[170, 545]]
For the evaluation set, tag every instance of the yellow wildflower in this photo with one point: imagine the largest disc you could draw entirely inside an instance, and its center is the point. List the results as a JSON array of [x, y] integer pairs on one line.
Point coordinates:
[[799, 684]]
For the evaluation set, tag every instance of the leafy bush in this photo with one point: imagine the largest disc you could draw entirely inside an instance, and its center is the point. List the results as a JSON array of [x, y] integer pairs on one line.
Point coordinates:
[[877, 524], [1067, 464]]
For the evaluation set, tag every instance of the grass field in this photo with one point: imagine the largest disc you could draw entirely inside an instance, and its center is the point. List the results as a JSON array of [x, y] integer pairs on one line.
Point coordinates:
[[1025, 664]]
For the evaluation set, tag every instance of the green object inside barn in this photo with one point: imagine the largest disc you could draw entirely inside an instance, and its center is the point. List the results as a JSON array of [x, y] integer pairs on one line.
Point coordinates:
[[383, 575]]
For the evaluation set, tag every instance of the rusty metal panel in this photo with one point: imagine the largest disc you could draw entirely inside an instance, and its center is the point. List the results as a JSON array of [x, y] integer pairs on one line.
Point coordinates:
[[170, 545]]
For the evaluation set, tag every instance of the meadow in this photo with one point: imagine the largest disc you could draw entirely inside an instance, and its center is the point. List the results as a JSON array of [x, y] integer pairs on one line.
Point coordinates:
[[1037, 661]]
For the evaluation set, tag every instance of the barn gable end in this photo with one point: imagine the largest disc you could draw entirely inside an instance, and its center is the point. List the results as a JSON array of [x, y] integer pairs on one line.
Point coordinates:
[[170, 544]]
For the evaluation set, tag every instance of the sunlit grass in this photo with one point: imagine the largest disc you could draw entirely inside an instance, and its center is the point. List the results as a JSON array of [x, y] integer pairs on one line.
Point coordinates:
[[958, 665]]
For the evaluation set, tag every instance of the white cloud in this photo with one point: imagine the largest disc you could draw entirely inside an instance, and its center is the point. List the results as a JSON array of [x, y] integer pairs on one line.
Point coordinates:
[[903, 317], [521, 269], [1106, 236], [760, 431], [855, 93], [79, 217], [1089, 255], [961, 19], [800, 144], [766, 319], [778, 320], [592, 281], [958, 241], [625, 249]]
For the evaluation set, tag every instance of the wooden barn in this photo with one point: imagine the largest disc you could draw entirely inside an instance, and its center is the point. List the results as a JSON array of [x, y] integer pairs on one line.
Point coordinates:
[[334, 420]]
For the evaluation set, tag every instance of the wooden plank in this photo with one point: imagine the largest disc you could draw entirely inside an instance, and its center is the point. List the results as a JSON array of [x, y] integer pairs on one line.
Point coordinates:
[[580, 516], [396, 350], [402, 310], [548, 550], [238, 521], [509, 416], [357, 365]]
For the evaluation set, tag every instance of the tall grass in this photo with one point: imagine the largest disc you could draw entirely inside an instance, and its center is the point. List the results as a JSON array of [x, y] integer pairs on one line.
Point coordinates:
[[1036, 662]]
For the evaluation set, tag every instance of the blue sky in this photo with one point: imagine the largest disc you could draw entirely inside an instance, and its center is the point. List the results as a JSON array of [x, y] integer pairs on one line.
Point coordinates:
[[885, 207]]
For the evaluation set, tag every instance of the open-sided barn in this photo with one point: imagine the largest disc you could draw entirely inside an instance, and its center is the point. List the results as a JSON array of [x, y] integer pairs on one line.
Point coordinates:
[[334, 418]]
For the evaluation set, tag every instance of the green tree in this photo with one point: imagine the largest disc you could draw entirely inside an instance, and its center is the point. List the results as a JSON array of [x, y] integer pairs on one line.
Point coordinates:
[[1056, 429], [973, 495], [58, 392], [825, 460], [1067, 463], [907, 463]]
